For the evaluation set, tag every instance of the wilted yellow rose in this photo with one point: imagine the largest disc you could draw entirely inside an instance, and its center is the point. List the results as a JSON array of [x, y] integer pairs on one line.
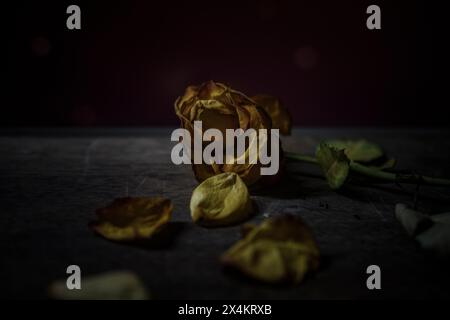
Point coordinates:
[[280, 116], [221, 200], [129, 218], [220, 107], [280, 249]]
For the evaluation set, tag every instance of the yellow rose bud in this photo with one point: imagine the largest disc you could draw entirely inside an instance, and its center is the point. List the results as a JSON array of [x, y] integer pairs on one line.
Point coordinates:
[[221, 200]]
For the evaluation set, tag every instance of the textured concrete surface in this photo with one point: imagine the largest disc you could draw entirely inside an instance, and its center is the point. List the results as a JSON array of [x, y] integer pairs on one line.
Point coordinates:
[[52, 180]]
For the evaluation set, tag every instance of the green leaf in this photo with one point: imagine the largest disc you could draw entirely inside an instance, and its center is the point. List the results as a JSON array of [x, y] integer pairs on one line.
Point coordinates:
[[358, 150], [334, 164], [388, 164]]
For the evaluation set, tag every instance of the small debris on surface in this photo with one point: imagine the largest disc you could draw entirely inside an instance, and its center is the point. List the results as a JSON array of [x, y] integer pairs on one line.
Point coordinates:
[[323, 205]]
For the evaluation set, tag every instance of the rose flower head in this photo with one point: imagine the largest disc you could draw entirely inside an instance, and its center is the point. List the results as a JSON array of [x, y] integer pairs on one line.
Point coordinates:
[[220, 107]]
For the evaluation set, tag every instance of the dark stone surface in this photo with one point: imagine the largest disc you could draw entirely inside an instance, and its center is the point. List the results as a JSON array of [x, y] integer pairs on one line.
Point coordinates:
[[53, 180]]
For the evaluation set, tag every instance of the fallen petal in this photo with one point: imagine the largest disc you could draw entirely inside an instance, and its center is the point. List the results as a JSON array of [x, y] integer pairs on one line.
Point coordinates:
[[118, 285], [129, 218], [413, 221], [221, 200], [280, 249]]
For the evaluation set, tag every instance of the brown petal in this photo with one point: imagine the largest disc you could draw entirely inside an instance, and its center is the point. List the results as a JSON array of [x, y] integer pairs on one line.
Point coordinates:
[[210, 90], [129, 218], [280, 249]]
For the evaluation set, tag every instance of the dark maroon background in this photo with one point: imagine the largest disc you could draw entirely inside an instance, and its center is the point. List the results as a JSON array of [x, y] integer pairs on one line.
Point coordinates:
[[132, 59]]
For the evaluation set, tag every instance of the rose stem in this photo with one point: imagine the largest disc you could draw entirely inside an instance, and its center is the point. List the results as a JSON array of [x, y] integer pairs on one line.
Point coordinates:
[[377, 173]]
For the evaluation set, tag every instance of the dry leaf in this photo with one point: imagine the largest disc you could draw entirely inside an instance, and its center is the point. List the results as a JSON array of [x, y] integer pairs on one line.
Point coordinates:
[[280, 249], [221, 200], [132, 218], [358, 150], [368, 153], [334, 164], [118, 285]]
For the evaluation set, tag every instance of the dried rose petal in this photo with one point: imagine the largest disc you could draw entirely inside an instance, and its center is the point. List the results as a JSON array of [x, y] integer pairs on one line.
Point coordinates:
[[221, 200], [280, 249], [132, 218]]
